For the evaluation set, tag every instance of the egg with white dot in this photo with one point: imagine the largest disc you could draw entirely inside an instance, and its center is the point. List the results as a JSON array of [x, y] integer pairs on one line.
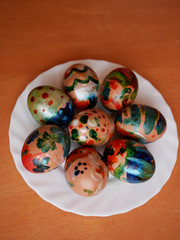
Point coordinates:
[[92, 127]]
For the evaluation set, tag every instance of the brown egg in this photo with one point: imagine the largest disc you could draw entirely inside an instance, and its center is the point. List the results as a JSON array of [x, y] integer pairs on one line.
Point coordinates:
[[86, 173], [92, 127], [45, 149]]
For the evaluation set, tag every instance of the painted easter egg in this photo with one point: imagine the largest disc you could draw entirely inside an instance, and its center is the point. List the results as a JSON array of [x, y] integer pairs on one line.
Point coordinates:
[[129, 161], [91, 127], [119, 89], [86, 173], [45, 149], [141, 122], [81, 84], [50, 105]]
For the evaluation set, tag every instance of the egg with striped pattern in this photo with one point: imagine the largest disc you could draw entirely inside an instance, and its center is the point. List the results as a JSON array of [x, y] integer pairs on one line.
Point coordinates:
[[141, 122]]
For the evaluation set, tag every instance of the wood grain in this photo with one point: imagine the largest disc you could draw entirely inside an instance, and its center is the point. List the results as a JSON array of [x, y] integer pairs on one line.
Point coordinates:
[[37, 35]]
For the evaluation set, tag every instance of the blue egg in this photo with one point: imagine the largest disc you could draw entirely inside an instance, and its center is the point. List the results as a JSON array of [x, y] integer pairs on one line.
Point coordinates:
[[129, 161]]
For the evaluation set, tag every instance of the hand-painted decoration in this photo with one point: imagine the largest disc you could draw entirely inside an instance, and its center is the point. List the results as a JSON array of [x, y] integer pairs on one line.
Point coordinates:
[[86, 173], [45, 149], [81, 84], [141, 122], [92, 127], [50, 105], [129, 161], [119, 89]]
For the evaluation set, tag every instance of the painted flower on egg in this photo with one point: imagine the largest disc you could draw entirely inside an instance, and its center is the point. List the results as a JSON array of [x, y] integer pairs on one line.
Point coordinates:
[[86, 173], [50, 105], [45, 149], [91, 127], [119, 89], [81, 84], [129, 161]]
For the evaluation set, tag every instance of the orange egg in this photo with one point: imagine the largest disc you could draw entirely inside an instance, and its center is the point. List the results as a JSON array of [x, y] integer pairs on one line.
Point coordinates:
[[81, 84], [86, 173]]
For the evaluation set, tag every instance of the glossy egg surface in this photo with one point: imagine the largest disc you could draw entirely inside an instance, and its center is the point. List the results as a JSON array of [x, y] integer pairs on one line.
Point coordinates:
[[141, 122], [92, 127], [86, 173], [45, 149], [50, 105], [81, 84], [129, 161], [119, 89]]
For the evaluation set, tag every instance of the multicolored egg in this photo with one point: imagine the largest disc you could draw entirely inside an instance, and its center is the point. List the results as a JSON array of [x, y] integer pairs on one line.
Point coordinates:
[[50, 105], [86, 173], [45, 149], [92, 127], [141, 122], [119, 89], [129, 161], [81, 84]]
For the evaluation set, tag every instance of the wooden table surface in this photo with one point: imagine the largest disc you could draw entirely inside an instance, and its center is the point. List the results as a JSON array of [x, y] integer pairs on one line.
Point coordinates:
[[37, 35]]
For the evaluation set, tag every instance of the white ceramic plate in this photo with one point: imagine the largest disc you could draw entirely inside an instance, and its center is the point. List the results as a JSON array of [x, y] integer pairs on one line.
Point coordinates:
[[117, 197]]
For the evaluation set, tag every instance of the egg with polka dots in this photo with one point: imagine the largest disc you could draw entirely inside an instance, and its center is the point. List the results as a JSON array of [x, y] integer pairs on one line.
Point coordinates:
[[50, 105], [86, 173], [92, 127]]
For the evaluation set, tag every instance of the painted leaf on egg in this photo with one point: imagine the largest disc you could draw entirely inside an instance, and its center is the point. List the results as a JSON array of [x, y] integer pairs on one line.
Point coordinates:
[[46, 143], [119, 171]]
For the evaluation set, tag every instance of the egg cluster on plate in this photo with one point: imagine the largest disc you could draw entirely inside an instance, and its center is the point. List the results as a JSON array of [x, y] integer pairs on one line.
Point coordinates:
[[86, 170]]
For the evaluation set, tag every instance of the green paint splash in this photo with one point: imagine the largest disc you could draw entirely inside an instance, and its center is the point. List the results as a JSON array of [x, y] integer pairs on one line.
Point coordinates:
[[135, 118], [76, 81], [151, 116]]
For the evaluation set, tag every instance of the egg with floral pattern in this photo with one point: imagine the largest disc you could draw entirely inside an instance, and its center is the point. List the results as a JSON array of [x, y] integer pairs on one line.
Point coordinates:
[[91, 127], [86, 173], [129, 161], [81, 84], [45, 149], [50, 105], [141, 122], [119, 89]]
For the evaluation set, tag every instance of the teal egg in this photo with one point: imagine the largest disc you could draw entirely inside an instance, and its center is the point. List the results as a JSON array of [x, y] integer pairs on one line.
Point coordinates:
[[141, 122]]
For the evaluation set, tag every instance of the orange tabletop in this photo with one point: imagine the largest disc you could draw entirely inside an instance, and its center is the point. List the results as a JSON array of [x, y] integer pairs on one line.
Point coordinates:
[[37, 35]]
